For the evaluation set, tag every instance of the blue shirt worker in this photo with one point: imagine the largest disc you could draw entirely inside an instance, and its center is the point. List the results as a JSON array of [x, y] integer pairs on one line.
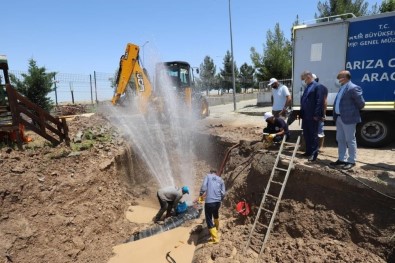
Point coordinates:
[[348, 102], [169, 197], [276, 128], [311, 113], [213, 188]]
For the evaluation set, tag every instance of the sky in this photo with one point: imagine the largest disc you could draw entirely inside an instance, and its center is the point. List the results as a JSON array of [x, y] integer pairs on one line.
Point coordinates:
[[90, 35]]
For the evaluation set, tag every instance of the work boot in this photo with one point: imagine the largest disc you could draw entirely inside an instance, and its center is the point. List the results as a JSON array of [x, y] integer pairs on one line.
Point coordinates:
[[216, 223], [214, 236]]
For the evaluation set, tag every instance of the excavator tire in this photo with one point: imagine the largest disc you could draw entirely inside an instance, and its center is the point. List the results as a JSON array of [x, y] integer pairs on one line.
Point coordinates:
[[201, 106]]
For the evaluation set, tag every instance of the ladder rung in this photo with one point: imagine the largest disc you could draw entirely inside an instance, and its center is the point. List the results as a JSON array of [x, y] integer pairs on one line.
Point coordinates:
[[267, 210], [272, 196], [286, 156], [281, 169], [277, 182], [257, 237], [289, 143], [262, 225]]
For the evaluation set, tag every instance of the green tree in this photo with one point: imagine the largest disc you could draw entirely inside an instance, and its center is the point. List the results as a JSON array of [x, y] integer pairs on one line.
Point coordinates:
[[337, 7], [387, 6], [276, 60], [246, 76], [226, 72], [35, 85], [207, 74]]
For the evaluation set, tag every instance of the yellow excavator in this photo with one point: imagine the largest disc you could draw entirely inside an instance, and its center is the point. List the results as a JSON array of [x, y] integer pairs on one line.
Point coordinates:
[[180, 73]]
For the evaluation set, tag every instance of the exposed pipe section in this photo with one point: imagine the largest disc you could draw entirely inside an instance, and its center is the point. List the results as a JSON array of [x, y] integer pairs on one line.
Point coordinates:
[[192, 212], [226, 158]]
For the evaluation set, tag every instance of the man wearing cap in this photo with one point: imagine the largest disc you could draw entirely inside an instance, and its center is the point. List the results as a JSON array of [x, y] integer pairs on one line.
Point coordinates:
[[169, 197], [276, 128], [213, 188], [281, 98]]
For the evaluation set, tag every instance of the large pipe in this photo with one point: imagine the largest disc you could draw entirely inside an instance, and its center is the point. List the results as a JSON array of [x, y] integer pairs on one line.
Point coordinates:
[[192, 212], [221, 169]]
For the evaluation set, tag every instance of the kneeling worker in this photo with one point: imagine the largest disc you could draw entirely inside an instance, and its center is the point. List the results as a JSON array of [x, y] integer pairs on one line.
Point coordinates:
[[169, 197], [276, 128]]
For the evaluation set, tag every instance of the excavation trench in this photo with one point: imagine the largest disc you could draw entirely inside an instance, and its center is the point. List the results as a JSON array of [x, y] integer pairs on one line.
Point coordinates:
[[324, 216]]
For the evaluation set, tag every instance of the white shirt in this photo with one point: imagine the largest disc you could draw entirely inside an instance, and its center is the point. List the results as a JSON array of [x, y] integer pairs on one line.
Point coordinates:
[[280, 97]]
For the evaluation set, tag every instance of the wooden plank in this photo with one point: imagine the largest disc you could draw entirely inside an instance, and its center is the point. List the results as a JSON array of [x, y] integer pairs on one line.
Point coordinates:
[[21, 105], [39, 132], [66, 131]]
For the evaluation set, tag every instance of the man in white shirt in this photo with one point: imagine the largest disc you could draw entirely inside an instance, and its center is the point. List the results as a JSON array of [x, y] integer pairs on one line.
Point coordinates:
[[281, 98]]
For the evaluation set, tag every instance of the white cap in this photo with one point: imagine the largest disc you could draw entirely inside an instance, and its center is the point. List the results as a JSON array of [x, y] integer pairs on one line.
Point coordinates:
[[271, 81], [267, 115], [314, 76]]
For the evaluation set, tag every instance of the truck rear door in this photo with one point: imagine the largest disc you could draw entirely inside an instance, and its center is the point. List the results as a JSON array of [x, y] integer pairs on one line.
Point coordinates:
[[321, 49]]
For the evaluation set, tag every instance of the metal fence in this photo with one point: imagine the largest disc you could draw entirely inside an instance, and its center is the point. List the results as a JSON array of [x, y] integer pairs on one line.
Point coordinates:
[[96, 87], [263, 85], [79, 87]]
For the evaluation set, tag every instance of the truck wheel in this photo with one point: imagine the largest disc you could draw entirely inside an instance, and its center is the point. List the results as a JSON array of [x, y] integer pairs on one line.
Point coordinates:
[[374, 132]]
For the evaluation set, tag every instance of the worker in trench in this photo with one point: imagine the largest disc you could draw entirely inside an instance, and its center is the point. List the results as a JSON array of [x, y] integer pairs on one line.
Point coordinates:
[[276, 129], [213, 192], [169, 197]]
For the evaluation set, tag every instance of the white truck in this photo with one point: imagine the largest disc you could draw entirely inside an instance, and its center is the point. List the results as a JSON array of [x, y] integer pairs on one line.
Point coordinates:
[[366, 47]]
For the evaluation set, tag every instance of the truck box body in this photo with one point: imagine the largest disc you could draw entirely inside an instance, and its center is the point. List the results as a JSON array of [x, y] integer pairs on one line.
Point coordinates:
[[366, 47]]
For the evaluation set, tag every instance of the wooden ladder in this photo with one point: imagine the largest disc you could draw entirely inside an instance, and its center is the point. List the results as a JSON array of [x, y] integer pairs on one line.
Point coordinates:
[[271, 199]]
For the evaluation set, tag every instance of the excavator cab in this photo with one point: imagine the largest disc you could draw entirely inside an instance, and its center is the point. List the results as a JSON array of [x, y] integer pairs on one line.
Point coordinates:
[[178, 76], [3, 76]]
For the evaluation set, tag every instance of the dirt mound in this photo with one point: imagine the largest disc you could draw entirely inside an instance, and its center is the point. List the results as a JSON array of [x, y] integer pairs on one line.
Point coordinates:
[[70, 109], [61, 204], [65, 205], [320, 219]]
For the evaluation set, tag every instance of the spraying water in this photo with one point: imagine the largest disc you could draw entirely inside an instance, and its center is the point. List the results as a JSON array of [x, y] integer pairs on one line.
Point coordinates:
[[162, 133]]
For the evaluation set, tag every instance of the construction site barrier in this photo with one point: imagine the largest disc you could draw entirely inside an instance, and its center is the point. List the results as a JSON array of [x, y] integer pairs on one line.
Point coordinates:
[[31, 116]]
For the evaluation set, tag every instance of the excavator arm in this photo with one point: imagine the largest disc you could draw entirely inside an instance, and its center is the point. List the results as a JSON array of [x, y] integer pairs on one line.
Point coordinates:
[[131, 71], [174, 74]]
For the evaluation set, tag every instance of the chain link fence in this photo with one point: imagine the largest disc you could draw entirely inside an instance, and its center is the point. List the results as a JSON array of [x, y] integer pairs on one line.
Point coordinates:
[[96, 87], [263, 85], [79, 88]]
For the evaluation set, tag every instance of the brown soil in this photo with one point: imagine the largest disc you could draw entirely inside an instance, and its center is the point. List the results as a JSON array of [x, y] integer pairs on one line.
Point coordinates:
[[68, 205], [65, 205], [320, 218]]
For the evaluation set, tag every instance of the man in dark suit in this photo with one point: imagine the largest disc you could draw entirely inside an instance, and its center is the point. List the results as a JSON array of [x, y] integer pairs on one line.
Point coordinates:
[[311, 112], [349, 101]]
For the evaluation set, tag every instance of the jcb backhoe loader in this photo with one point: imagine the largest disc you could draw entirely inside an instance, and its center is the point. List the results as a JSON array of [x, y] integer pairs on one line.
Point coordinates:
[[131, 74]]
